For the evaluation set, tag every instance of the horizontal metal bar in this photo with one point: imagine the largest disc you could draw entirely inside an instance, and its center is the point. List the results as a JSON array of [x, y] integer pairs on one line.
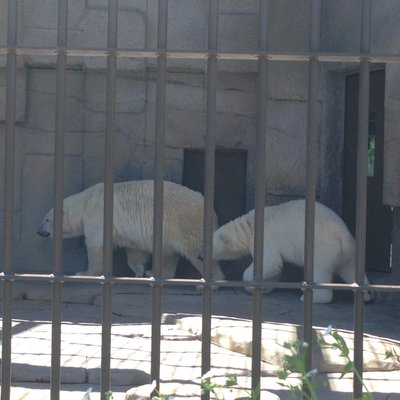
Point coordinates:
[[196, 282], [221, 55]]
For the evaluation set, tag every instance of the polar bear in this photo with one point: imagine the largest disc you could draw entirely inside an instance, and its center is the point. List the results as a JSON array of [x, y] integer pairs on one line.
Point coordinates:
[[284, 230], [133, 225]]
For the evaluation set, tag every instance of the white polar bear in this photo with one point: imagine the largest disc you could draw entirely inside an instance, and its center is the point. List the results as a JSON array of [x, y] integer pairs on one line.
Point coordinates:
[[133, 225], [284, 231]]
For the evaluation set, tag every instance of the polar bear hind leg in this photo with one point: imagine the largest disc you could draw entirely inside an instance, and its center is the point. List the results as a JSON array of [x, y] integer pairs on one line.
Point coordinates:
[[347, 272], [137, 259], [322, 274]]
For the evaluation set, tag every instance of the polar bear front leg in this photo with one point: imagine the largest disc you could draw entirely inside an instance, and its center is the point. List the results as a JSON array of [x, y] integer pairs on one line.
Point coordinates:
[[169, 263], [137, 261], [95, 260], [272, 273]]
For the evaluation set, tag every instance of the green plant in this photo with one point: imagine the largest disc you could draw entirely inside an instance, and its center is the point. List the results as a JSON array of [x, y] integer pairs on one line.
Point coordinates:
[[393, 354], [294, 361], [339, 344], [208, 386], [86, 396], [109, 395]]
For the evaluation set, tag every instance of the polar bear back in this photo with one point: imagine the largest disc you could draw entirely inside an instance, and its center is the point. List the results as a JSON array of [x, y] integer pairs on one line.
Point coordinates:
[[133, 215], [285, 229]]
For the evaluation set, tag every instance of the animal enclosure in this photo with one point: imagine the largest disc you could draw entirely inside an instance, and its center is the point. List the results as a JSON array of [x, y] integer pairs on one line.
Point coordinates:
[[111, 91]]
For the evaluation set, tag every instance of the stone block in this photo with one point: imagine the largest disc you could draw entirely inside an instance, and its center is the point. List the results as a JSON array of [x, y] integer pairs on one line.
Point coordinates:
[[237, 94], [340, 26], [3, 24], [236, 336], [289, 25], [238, 32], [122, 5], [92, 33], [20, 105], [42, 99], [185, 91], [187, 24], [40, 37], [130, 98], [128, 158], [285, 165], [238, 7], [42, 14], [288, 81], [385, 28]]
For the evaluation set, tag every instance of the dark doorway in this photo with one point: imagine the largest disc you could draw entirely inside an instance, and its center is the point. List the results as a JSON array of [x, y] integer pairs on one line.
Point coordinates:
[[379, 216], [229, 194]]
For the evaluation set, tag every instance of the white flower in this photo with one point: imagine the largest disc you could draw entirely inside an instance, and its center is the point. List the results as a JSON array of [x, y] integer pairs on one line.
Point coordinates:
[[86, 396], [328, 330], [305, 344]]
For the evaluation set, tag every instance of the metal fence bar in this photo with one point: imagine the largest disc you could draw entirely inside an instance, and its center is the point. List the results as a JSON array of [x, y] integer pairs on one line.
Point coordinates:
[[109, 197], [201, 55], [9, 186], [191, 282], [311, 176], [260, 195], [159, 190], [209, 172], [361, 195], [58, 200]]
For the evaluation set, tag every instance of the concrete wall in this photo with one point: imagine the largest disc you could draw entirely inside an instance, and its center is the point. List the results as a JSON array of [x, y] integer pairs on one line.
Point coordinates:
[[186, 82]]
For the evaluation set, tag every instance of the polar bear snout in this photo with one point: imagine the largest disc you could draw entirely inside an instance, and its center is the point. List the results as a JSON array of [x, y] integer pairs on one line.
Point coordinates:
[[42, 232], [45, 228]]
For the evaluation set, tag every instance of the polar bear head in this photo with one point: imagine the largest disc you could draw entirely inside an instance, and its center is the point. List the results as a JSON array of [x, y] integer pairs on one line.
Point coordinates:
[[72, 221], [229, 243]]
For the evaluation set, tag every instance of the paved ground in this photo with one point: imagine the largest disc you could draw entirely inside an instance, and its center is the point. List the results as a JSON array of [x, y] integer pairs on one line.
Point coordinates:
[[181, 344]]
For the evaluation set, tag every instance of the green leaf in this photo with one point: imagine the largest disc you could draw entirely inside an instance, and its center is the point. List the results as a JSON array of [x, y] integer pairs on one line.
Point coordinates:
[[346, 369], [231, 381]]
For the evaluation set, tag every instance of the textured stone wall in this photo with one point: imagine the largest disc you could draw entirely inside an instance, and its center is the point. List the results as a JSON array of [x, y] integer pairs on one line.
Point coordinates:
[[288, 30]]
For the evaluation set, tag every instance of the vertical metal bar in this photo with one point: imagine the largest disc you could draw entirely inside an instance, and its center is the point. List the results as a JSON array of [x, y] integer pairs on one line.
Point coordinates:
[[209, 174], [159, 189], [260, 194], [361, 196], [311, 175], [58, 199], [9, 171], [6, 340], [109, 195], [55, 378], [9, 174]]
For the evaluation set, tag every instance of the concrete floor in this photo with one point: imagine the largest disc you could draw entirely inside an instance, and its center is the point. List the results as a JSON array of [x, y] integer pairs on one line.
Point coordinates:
[[180, 348]]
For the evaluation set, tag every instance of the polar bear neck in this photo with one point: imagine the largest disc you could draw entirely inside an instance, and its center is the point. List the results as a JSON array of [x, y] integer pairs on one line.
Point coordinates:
[[243, 228]]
